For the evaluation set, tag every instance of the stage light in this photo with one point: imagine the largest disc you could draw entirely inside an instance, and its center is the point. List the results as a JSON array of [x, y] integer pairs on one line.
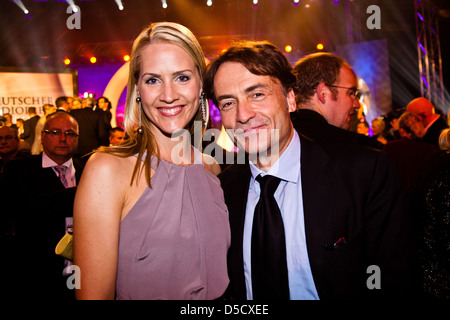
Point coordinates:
[[72, 4], [288, 48], [93, 59], [209, 3], [119, 4], [20, 4], [255, 1], [319, 46], [126, 57], [66, 61], [164, 4]]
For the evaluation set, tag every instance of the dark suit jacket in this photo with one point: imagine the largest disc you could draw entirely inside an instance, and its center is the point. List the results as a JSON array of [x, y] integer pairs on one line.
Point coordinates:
[[314, 126], [348, 191], [37, 206], [93, 130], [29, 127], [434, 131]]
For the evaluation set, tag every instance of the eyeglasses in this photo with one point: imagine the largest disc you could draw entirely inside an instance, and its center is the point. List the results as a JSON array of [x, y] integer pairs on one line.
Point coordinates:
[[57, 133], [353, 92], [6, 138]]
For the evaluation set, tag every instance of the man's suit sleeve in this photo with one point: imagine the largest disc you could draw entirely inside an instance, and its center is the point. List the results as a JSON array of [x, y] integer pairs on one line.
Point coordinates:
[[389, 230]]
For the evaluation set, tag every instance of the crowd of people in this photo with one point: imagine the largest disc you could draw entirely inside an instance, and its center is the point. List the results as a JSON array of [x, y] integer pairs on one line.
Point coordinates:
[[315, 205]]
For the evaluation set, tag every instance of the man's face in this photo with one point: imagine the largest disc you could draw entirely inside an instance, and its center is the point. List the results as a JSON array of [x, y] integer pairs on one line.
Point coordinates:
[[9, 142], [57, 141], [341, 107], [254, 108], [116, 138]]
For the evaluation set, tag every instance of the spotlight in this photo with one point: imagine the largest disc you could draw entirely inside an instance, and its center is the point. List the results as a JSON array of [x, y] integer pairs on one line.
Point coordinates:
[[119, 4], [319, 46], [126, 57], [66, 61], [20, 4], [255, 1], [288, 48], [93, 59], [72, 4], [164, 4], [209, 3]]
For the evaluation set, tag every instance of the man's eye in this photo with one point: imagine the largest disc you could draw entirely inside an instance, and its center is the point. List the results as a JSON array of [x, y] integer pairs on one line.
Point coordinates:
[[258, 95], [226, 106]]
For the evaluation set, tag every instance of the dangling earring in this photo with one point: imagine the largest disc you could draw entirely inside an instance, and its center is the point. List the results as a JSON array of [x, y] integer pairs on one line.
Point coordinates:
[[202, 105], [140, 130]]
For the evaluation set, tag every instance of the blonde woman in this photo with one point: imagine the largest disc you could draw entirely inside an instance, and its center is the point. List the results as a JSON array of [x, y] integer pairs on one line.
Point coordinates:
[[150, 221]]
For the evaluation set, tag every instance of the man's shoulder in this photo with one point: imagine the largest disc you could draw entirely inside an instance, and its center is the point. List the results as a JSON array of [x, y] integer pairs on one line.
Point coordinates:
[[235, 172], [314, 126]]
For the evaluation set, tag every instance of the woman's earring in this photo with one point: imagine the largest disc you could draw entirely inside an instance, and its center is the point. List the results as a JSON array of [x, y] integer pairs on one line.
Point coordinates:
[[140, 130], [202, 105]]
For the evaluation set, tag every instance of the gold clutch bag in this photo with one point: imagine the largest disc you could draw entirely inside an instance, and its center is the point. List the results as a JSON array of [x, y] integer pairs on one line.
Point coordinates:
[[64, 247]]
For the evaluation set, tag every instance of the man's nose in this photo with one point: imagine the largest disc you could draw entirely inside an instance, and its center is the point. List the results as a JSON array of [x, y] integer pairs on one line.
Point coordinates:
[[244, 112]]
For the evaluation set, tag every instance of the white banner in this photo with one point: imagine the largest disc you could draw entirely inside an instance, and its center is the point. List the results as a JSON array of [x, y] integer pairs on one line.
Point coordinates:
[[21, 90]]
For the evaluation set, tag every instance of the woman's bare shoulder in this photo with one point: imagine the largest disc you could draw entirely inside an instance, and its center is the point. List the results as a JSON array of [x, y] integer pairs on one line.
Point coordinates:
[[108, 166]]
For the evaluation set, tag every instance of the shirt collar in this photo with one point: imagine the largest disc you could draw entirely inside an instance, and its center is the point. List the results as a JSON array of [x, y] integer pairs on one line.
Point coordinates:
[[287, 167], [47, 162]]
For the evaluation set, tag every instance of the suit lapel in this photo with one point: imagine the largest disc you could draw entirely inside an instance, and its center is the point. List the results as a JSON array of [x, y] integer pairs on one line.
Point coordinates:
[[318, 188], [236, 186]]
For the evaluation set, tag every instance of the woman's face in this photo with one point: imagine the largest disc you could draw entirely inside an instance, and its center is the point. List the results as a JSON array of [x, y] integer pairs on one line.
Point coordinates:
[[169, 86]]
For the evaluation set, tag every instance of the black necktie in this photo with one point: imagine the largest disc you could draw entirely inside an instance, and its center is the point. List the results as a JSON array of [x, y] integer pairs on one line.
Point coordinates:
[[268, 253]]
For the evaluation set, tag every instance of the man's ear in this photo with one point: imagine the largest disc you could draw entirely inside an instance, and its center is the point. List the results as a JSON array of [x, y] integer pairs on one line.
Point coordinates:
[[321, 91], [291, 102]]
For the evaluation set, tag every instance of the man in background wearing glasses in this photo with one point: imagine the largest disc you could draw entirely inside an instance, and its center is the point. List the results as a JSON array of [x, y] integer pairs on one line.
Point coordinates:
[[40, 190], [327, 97]]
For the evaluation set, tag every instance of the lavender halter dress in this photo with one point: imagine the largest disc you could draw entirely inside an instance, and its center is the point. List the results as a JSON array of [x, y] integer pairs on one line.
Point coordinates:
[[173, 243]]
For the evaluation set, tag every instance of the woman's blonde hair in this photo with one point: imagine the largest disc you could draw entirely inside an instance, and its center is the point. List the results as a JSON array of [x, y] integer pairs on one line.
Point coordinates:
[[444, 140], [144, 144]]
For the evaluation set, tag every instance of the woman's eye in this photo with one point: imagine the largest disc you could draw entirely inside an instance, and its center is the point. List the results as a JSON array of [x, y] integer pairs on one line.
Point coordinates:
[[183, 78], [151, 81]]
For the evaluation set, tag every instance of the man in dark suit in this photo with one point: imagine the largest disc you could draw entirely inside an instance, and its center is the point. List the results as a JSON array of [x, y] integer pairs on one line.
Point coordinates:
[[93, 131], [40, 190], [29, 127], [316, 75], [345, 228]]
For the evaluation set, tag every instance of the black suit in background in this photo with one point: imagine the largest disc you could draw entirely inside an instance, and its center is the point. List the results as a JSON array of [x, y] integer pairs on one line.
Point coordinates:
[[37, 204], [349, 191], [314, 126], [93, 132], [433, 132], [29, 127]]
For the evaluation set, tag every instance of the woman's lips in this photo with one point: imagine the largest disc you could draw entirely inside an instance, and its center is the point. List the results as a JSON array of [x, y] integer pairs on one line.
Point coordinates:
[[170, 111]]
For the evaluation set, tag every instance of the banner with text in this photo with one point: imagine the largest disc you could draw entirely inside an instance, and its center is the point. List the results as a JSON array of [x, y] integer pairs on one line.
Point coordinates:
[[21, 90]]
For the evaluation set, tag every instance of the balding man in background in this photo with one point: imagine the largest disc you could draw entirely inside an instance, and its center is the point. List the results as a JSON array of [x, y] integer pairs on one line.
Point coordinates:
[[433, 122]]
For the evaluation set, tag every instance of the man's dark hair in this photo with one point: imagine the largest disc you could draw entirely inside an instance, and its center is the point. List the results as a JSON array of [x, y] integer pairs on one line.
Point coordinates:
[[259, 57], [59, 102], [316, 68]]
